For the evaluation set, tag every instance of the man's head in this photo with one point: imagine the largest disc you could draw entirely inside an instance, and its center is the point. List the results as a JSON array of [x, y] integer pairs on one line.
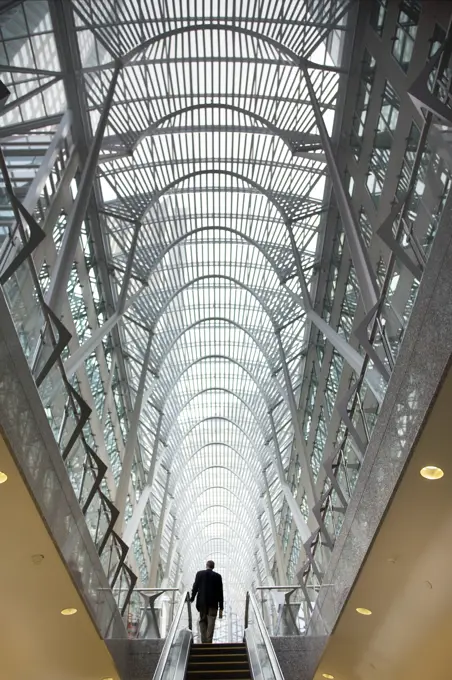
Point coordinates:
[[210, 564]]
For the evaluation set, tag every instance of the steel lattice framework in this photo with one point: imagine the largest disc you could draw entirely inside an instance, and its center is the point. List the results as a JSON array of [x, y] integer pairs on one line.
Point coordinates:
[[210, 206], [225, 312]]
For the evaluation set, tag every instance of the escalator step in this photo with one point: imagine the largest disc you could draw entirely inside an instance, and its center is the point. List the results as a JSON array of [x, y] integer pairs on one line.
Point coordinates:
[[218, 674], [223, 647], [224, 661], [215, 652], [219, 657], [218, 665]]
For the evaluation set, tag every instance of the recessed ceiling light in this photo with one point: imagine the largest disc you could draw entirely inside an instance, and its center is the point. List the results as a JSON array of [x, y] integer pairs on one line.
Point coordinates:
[[37, 559], [363, 611], [328, 676], [70, 611], [432, 472], [3, 477]]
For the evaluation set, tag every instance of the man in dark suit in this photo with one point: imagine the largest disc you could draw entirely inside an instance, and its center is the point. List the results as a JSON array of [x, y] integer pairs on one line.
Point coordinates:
[[208, 586]]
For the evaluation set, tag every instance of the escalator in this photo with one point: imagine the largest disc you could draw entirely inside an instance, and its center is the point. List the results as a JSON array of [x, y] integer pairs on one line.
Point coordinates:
[[254, 659], [215, 661]]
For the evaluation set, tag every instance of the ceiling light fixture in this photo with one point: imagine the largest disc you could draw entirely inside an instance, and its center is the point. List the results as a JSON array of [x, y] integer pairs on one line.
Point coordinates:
[[363, 611], [432, 472], [3, 477], [70, 611], [328, 676]]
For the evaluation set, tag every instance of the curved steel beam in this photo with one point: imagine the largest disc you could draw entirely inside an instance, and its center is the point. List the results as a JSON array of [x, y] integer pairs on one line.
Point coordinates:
[[228, 420], [171, 346], [242, 539], [250, 529], [198, 230], [212, 171], [208, 418], [188, 495], [125, 60], [189, 533], [219, 389], [225, 488], [210, 105], [215, 521], [228, 509], [245, 461], [205, 358], [173, 451], [216, 442], [233, 561], [215, 276], [215, 467], [224, 540]]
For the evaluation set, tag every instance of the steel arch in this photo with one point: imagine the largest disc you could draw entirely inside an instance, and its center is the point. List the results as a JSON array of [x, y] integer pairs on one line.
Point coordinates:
[[210, 105], [219, 389], [230, 173]]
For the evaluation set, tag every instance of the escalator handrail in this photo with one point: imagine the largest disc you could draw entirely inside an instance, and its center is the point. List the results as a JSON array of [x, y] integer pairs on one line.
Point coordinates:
[[171, 635], [250, 599]]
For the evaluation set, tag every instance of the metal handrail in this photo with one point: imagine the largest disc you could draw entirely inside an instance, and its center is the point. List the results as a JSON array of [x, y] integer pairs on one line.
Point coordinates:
[[157, 590], [250, 599], [315, 586], [171, 635]]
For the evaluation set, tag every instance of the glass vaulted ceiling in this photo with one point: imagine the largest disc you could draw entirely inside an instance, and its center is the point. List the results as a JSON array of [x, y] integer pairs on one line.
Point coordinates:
[[211, 144], [210, 162]]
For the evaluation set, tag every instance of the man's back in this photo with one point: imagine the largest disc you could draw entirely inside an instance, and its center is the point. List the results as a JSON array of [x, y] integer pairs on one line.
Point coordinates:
[[209, 588]]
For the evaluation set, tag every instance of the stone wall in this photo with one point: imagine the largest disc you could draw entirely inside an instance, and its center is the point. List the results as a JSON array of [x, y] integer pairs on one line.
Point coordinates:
[[299, 655], [135, 659]]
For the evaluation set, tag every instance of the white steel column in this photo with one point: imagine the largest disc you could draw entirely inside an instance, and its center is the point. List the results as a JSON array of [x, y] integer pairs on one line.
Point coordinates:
[[367, 281], [35, 189], [63, 265], [138, 510], [263, 597], [176, 584], [78, 357], [307, 475], [276, 537], [270, 580], [108, 401], [353, 358], [155, 557], [173, 542], [263, 547], [132, 437], [177, 572], [155, 450], [300, 522]]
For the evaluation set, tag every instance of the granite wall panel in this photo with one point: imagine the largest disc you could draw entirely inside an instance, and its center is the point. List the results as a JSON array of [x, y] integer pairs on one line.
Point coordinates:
[[135, 659], [299, 655]]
